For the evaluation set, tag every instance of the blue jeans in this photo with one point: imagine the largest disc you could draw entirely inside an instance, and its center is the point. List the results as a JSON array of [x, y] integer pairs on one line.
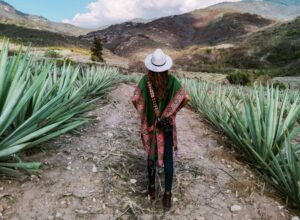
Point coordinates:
[[168, 164]]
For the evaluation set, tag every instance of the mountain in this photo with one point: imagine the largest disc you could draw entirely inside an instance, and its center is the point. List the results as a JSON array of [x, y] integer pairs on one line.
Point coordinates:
[[285, 2], [9, 15], [273, 50], [200, 27], [281, 10], [276, 47]]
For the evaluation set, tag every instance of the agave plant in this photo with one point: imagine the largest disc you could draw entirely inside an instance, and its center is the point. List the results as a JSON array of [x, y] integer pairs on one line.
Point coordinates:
[[39, 102], [261, 125], [284, 171], [99, 80]]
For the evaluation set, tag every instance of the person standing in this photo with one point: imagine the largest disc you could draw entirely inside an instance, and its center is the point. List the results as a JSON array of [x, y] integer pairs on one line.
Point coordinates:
[[158, 97]]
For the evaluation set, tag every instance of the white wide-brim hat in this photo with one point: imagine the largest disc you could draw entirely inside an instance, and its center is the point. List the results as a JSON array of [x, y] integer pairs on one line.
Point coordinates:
[[158, 61]]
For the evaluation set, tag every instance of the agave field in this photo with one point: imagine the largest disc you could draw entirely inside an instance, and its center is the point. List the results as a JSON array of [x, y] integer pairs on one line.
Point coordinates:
[[39, 101], [262, 124]]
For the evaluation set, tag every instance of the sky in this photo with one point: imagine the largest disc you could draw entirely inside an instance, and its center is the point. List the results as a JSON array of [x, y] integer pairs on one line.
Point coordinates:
[[97, 13]]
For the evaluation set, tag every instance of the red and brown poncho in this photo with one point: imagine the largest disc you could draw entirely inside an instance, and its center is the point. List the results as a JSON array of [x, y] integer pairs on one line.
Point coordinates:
[[152, 137]]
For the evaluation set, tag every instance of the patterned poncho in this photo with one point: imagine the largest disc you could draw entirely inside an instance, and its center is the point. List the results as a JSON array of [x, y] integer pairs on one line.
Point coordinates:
[[152, 137]]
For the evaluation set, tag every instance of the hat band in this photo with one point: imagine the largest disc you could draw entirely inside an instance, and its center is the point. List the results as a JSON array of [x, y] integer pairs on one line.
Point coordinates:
[[158, 65]]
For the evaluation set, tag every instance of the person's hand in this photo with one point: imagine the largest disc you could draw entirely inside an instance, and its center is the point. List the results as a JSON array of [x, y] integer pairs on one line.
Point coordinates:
[[186, 101]]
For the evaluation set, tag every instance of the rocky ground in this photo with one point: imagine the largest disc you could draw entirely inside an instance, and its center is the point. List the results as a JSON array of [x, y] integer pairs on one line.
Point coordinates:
[[99, 172]]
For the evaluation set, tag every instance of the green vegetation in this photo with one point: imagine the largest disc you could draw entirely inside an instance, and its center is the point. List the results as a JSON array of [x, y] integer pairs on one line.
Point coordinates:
[[65, 61], [40, 101], [239, 78], [279, 85], [52, 54], [96, 50], [262, 124]]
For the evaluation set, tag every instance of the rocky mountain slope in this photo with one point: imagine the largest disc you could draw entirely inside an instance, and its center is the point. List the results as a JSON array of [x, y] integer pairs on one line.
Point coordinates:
[[274, 47], [272, 9], [274, 50], [10, 15], [200, 27]]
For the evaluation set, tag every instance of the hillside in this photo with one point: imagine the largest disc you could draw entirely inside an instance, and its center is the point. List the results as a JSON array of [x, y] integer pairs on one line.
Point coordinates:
[[10, 15], [40, 37], [274, 47], [276, 10], [274, 50], [200, 27]]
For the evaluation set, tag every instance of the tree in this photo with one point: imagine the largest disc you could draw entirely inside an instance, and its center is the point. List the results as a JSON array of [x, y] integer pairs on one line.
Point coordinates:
[[97, 50]]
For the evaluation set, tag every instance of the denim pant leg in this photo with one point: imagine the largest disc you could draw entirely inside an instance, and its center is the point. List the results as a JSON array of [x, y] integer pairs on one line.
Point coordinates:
[[168, 161]]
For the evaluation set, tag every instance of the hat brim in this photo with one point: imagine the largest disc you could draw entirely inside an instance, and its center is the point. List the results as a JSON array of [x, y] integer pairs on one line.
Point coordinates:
[[150, 66]]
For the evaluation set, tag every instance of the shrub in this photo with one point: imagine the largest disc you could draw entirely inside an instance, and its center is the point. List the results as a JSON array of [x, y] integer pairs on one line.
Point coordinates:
[[66, 60], [280, 85], [52, 54], [239, 78]]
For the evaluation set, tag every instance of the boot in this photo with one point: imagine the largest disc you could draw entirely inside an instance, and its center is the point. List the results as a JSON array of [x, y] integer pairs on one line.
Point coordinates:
[[167, 200], [151, 191]]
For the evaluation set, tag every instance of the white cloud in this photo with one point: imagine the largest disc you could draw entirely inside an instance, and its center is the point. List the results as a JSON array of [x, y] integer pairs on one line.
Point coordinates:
[[104, 12]]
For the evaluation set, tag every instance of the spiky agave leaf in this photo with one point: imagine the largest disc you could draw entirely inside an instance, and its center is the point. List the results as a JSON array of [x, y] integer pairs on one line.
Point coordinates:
[[40, 101], [261, 125]]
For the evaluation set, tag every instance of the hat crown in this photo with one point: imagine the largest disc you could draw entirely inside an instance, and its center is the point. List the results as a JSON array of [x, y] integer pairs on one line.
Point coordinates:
[[158, 58]]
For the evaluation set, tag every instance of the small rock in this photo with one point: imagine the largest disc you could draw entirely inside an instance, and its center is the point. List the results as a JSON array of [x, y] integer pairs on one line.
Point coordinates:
[[133, 181], [69, 168], [81, 211], [94, 169], [235, 208], [58, 215], [280, 207], [228, 191], [1, 208], [175, 199], [109, 134], [295, 218]]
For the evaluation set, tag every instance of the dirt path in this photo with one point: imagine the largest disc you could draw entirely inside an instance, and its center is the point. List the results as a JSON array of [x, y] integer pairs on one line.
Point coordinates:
[[100, 172]]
